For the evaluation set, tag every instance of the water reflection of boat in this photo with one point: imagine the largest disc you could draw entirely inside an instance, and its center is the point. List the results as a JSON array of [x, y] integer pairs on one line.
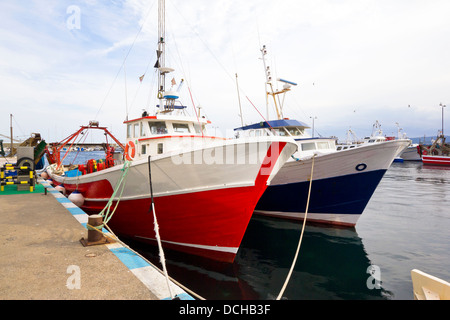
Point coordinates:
[[332, 265]]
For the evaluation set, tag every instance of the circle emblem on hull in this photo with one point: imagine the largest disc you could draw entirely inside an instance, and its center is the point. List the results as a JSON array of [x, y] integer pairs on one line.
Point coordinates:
[[361, 167]]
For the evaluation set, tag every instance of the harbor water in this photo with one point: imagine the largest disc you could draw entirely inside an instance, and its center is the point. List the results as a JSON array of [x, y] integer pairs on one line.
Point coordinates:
[[405, 226]]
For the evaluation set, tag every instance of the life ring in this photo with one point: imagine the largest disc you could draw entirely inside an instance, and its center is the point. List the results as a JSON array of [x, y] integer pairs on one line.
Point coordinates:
[[130, 151]]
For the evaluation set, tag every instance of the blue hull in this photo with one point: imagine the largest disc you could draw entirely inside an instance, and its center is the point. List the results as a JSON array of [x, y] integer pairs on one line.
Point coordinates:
[[347, 195]]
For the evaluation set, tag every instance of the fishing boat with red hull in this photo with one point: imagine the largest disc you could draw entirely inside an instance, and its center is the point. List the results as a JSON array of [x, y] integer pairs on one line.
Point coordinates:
[[202, 188], [438, 153], [201, 208]]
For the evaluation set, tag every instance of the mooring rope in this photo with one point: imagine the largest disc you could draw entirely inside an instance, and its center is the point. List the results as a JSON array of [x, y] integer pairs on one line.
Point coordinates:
[[108, 215], [106, 212], [301, 235], [114, 237], [158, 238]]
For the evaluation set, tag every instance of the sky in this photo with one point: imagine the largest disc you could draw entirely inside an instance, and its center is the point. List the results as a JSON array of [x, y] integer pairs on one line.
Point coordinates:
[[64, 63]]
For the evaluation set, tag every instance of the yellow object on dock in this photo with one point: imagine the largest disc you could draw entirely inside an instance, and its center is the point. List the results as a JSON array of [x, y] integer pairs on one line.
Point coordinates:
[[428, 287]]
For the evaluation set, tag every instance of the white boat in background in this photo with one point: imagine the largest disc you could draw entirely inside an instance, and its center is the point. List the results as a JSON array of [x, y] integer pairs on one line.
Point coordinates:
[[204, 188], [410, 153], [343, 181], [353, 142]]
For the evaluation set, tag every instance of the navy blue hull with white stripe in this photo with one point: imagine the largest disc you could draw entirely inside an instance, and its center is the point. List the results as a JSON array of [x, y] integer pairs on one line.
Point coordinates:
[[337, 200]]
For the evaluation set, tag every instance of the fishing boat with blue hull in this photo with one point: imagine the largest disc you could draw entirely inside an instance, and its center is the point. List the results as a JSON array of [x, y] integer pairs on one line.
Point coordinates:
[[342, 181]]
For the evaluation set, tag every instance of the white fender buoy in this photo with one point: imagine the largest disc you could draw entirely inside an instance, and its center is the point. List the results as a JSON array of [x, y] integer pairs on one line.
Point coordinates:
[[44, 175], [77, 198], [61, 189]]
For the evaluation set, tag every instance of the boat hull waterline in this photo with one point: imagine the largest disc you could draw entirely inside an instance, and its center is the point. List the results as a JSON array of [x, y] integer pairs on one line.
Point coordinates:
[[202, 207], [343, 183]]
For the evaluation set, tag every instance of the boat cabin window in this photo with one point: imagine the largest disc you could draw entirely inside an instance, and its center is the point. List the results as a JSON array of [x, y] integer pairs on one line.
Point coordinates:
[[143, 149], [279, 132], [323, 145], [181, 127], [129, 131], [157, 127], [294, 131], [160, 148], [308, 146], [256, 133], [260, 133], [136, 130], [142, 129]]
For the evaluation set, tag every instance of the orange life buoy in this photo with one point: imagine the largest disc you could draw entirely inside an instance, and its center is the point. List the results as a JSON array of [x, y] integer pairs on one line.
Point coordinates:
[[130, 151]]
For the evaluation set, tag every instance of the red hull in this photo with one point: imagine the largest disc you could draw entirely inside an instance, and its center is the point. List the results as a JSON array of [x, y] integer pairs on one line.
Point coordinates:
[[217, 219], [209, 223]]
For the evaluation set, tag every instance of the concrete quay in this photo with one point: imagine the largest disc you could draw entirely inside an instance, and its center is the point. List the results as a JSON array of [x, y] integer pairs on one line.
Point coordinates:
[[42, 258]]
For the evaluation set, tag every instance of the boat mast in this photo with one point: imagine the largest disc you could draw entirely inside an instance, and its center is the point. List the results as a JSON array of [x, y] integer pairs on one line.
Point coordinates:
[[239, 100], [269, 83], [286, 87], [160, 63], [268, 78]]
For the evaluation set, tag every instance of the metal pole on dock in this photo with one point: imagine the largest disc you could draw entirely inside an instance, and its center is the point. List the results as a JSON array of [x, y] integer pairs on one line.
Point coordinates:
[[11, 128]]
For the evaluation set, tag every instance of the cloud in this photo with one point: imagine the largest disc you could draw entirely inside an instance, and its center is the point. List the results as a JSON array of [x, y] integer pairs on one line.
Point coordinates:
[[373, 56]]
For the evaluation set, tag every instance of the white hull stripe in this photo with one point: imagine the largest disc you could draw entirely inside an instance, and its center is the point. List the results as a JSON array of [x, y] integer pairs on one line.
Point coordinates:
[[347, 219], [436, 159], [198, 246], [185, 191]]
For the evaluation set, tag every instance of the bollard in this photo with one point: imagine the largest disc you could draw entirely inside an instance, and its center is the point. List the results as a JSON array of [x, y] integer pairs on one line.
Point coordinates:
[[94, 237], [95, 221]]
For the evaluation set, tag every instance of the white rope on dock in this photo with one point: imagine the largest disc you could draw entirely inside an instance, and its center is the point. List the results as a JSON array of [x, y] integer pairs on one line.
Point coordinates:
[[301, 235]]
